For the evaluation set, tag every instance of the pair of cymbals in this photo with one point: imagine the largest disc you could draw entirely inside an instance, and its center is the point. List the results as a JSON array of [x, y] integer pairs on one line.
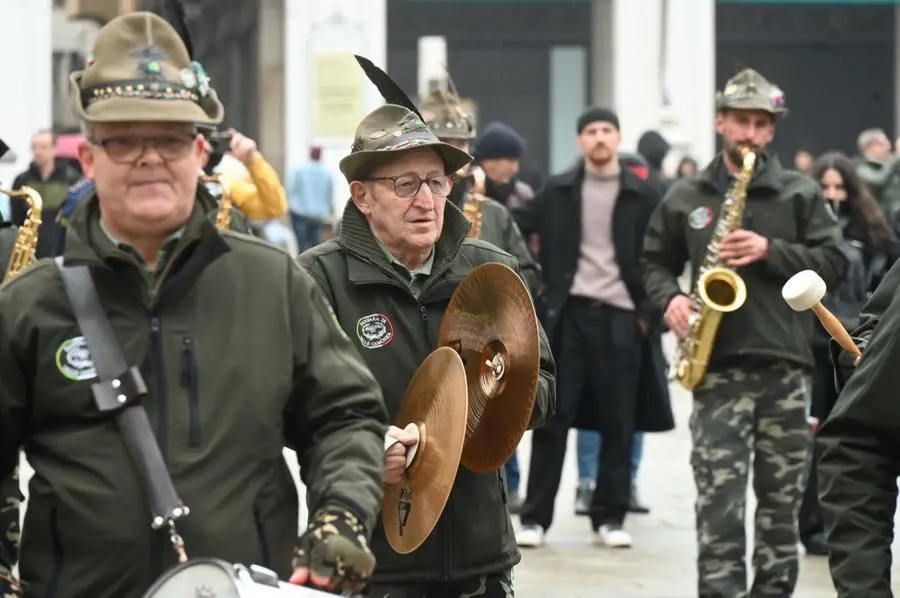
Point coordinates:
[[469, 402]]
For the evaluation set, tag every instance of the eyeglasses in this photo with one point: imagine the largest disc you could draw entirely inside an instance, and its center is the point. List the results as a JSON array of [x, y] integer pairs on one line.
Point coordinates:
[[408, 185], [128, 150]]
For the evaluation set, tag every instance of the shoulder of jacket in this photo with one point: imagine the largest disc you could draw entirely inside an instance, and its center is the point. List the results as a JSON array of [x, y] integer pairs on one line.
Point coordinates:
[[319, 253], [36, 276], [260, 248], [681, 189], [492, 204], [799, 184], [478, 252]]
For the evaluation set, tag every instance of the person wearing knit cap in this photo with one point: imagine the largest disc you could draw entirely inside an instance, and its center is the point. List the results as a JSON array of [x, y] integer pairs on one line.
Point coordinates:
[[590, 221], [751, 398], [499, 151]]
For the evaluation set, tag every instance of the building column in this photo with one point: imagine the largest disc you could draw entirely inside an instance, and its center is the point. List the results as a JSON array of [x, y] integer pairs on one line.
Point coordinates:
[[271, 82], [326, 93], [654, 62], [27, 105]]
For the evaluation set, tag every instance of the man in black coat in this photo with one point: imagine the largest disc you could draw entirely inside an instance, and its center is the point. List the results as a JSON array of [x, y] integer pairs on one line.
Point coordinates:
[[590, 222]]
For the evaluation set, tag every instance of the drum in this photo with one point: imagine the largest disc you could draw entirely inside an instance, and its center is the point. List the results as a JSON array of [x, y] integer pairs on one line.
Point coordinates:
[[212, 578]]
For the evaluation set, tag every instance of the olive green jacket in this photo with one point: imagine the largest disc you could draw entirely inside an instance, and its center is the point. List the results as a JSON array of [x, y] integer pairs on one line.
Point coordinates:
[[785, 207], [241, 356], [394, 331]]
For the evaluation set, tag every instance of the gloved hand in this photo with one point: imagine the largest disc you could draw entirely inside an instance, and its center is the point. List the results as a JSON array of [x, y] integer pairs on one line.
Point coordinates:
[[9, 586], [334, 552]]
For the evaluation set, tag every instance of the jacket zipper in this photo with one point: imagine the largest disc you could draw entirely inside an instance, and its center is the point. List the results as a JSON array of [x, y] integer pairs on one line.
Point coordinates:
[[53, 586], [159, 537], [189, 383], [261, 536], [423, 312]]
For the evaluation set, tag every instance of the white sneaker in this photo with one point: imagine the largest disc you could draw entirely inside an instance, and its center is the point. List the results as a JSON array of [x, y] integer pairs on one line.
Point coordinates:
[[613, 536], [530, 536]]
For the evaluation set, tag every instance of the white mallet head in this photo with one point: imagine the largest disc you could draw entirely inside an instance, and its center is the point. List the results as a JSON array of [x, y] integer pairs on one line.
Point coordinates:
[[804, 290]]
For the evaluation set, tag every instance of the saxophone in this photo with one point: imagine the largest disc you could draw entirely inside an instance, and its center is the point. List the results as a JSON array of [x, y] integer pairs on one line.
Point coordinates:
[[223, 216], [474, 201], [23, 253], [718, 290]]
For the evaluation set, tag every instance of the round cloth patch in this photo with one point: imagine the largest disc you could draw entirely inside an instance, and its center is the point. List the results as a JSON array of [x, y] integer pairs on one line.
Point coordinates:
[[73, 360], [700, 218], [374, 331]]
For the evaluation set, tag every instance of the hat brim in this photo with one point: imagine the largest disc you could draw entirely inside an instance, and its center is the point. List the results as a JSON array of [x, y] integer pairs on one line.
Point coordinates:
[[358, 165], [209, 111], [751, 104]]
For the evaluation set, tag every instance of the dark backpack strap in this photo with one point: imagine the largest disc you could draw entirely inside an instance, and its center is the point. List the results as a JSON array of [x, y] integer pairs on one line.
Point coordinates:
[[119, 391]]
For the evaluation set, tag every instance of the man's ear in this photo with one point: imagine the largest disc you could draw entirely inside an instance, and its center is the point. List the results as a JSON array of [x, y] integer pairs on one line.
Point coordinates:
[[361, 196]]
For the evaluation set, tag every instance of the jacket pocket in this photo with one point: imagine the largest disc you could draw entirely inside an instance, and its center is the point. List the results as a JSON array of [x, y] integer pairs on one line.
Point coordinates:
[[189, 383], [261, 537]]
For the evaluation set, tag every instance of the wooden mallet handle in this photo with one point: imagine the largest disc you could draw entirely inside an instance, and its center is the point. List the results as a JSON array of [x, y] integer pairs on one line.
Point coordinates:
[[835, 329]]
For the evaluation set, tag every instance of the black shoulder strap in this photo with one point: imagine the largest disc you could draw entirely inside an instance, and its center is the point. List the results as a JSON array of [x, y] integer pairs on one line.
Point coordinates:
[[120, 390]]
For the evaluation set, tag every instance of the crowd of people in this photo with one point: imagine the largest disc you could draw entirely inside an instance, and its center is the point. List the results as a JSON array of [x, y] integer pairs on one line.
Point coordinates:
[[601, 246]]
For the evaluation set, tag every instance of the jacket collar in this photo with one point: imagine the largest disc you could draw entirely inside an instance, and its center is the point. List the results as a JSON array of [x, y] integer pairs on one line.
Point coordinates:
[[372, 265], [767, 174]]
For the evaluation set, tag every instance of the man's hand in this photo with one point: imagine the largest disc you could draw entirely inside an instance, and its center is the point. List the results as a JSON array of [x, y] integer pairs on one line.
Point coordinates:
[[9, 585], [242, 147], [678, 314], [333, 553], [743, 247], [398, 441]]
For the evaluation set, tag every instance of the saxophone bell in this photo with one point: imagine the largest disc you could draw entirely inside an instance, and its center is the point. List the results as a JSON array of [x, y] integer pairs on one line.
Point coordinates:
[[23, 254]]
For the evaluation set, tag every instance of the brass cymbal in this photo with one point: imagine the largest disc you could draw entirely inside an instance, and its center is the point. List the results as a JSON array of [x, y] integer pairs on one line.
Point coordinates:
[[436, 403], [492, 323]]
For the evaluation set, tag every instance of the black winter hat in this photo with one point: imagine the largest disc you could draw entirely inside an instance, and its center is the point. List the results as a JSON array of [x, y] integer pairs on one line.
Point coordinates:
[[499, 141], [594, 115]]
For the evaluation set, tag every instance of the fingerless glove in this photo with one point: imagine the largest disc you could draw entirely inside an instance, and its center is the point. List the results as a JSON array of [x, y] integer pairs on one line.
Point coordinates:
[[335, 546]]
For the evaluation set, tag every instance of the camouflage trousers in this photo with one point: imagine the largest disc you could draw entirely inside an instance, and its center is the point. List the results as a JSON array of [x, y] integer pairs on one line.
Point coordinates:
[[489, 586], [741, 416], [10, 502]]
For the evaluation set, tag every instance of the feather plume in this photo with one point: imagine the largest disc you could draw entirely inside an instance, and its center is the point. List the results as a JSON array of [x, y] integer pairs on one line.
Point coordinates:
[[452, 85], [389, 90], [3, 148], [173, 12]]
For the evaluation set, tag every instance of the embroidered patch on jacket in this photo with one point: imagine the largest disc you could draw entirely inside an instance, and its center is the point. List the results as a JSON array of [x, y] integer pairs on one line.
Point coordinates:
[[73, 360], [700, 218], [374, 331]]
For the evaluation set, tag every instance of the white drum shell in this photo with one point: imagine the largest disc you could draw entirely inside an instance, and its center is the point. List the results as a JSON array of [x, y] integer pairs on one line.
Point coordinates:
[[213, 578]]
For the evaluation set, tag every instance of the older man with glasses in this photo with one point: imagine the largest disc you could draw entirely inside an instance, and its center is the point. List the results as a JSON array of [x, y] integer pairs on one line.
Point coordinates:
[[401, 252]]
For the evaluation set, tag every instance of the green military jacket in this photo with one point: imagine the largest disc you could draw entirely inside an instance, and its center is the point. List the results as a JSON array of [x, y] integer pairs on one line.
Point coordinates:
[[857, 446], [499, 228], [784, 206], [241, 356], [395, 329]]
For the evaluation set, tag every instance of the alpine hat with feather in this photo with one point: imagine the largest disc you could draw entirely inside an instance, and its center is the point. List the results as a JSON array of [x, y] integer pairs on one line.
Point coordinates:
[[392, 130], [141, 70]]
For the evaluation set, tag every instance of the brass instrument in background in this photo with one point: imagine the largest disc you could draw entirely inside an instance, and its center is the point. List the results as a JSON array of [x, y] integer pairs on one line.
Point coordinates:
[[223, 216], [23, 253], [718, 290], [474, 200]]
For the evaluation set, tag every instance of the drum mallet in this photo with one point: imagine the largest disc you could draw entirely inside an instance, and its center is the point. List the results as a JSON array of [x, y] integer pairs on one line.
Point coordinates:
[[804, 291]]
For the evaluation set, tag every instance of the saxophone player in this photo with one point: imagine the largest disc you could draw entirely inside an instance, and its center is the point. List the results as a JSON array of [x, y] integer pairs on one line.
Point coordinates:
[[751, 404]]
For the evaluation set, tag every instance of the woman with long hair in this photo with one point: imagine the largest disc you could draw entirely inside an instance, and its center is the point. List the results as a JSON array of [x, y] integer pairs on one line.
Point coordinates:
[[868, 239]]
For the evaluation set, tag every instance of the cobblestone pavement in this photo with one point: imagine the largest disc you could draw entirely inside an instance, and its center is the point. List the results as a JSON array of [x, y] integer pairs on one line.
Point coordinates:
[[661, 564]]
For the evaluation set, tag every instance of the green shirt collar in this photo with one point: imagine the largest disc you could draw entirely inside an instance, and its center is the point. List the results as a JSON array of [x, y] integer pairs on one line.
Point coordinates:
[[415, 278], [164, 252]]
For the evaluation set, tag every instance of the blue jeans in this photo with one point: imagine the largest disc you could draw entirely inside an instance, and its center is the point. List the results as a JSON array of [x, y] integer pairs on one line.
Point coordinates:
[[512, 472], [589, 446]]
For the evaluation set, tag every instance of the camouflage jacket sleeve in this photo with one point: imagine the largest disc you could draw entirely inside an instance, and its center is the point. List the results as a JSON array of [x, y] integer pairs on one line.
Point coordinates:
[[858, 467], [664, 254], [869, 318], [338, 418], [818, 247], [13, 419]]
